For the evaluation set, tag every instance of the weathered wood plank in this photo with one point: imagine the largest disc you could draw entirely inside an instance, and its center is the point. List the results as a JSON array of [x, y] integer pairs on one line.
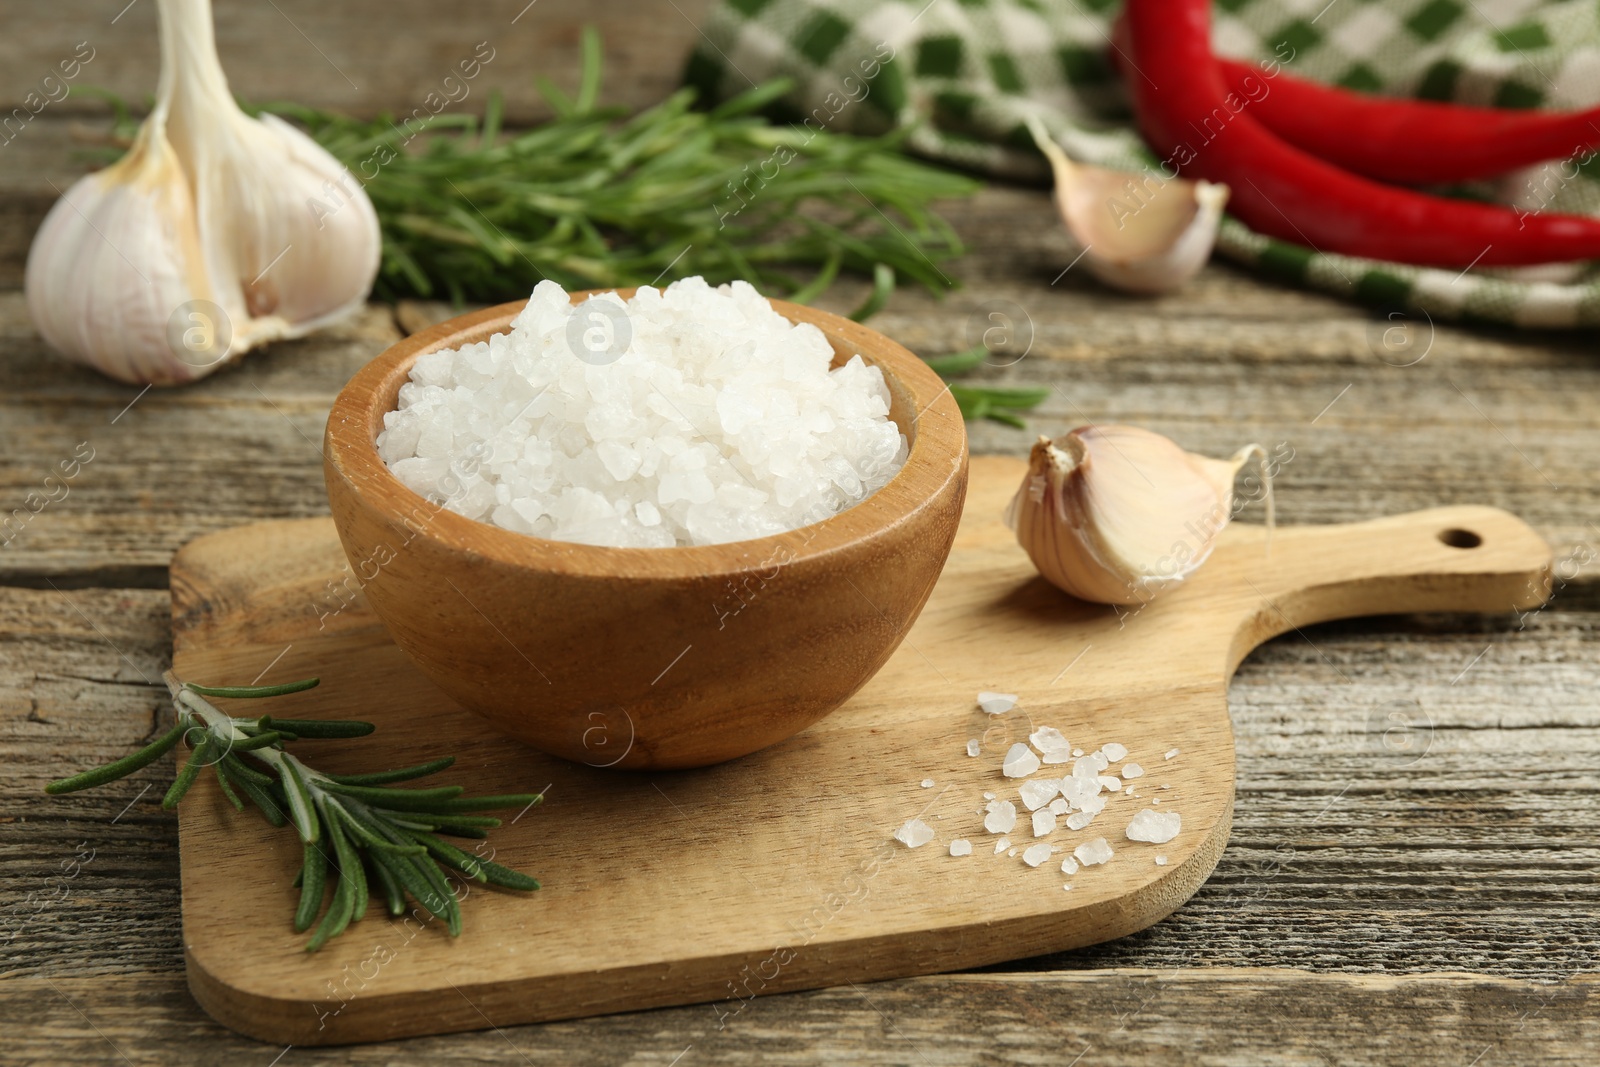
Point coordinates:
[[361, 57], [1237, 1018]]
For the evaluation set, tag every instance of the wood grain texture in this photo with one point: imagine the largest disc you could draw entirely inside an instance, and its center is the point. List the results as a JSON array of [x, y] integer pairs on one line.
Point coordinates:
[[822, 895], [557, 643], [1217, 1018]]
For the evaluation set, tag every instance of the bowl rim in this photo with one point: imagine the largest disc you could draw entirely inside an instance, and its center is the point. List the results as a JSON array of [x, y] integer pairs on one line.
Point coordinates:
[[937, 457]]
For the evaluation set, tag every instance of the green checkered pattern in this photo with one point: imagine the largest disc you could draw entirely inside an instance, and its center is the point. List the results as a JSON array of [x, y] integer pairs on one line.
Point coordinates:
[[963, 74]]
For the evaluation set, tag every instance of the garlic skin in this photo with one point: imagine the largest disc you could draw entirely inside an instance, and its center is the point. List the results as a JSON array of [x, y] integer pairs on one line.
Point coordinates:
[[1116, 514], [1134, 238], [215, 234]]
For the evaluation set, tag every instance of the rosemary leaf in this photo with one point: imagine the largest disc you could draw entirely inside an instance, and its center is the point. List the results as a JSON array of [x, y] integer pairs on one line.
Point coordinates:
[[402, 774], [313, 883], [122, 767], [190, 771], [320, 728], [251, 691]]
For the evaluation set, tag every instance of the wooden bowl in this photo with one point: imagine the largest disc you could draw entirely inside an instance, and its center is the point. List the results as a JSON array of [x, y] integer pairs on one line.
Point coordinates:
[[649, 657]]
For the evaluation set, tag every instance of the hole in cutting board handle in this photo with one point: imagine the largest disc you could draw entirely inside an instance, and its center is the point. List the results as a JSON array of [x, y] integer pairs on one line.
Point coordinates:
[[1458, 538]]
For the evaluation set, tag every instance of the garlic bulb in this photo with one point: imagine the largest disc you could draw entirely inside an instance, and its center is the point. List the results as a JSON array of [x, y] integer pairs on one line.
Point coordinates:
[[1139, 232], [1115, 514], [215, 234]]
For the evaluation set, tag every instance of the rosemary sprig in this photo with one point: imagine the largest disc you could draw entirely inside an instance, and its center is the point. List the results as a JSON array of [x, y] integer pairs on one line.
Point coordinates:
[[355, 829], [596, 198], [996, 402]]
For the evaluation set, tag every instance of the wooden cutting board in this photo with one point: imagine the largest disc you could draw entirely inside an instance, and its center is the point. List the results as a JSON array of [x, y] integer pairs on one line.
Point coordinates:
[[777, 871]]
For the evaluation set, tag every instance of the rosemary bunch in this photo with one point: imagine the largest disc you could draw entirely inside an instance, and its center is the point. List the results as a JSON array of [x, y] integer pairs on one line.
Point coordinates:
[[997, 402], [359, 835], [597, 199]]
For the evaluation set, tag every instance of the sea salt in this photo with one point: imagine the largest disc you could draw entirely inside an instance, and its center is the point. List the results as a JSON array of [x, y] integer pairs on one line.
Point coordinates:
[[1001, 818], [927, 783], [997, 703], [1171, 752], [1161, 861], [1093, 852], [1020, 761], [914, 834], [1110, 782], [686, 416], [1059, 806], [1079, 819], [1051, 745], [1001, 845], [1157, 827], [1037, 792], [961, 847], [1044, 822], [1115, 752], [1036, 854], [1069, 866], [974, 746], [1132, 770]]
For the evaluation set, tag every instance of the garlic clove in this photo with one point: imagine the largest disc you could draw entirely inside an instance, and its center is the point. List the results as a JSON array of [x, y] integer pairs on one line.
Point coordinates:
[[215, 234], [1138, 232], [1115, 514]]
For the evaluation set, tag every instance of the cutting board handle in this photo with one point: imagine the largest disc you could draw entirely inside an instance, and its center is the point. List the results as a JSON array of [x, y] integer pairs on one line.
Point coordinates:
[[1469, 558]]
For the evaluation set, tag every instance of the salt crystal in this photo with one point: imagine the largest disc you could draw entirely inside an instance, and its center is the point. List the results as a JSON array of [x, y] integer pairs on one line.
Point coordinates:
[[961, 847], [988, 796], [1093, 852], [1011, 852], [1036, 855], [1050, 743], [1001, 845], [974, 747], [1036, 792], [1059, 806], [1157, 827], [689, 416], [997, 703], [1093, 805], [1044, 822], [1079, 819], [1085, 768], [927, 783], [1115, 752], [914, 834], [1077, 752], [1099, 758], [1111, 782], [1154, 800], [1066, 885], [1161, 861], [1020, 761], [1132, 770], [1001, 818], [1171, 752], [1069, 866]]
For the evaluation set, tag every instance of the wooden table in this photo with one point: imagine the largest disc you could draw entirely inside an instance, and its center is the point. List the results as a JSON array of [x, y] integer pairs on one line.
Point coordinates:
[[1412, 875]]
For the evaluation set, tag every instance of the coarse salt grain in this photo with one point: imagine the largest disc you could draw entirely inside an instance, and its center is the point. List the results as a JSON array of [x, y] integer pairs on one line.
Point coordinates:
[[1079, 819], [1051, 745], [1059, 806], [1044, 822], [961, 847], [1171, 752], [1157, 827], [686, 416], [1093, 852], [1069, 866], [1066, 885], [1132, 770], [927, 783], [974, 746], [1161, 861], [1001, 845], [1037, 792], [1115, 752], [1036, 854], [1001, 818], [1110, 782], [1019, 762], [914, 834], [997, 703]]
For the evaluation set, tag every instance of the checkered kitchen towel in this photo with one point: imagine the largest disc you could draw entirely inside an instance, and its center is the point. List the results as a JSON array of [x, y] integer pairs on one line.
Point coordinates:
[[963, 73]]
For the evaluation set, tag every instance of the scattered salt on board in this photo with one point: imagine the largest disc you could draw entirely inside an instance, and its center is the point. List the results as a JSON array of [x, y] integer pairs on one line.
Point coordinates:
[[914, 834], [1036, 854], [961, 847], [1132, 770], [1093, 852], [1157, 827], [1044, 822], [1019, 762], [997, 703], [1001, 818], [1115, 752], [1037, 792]]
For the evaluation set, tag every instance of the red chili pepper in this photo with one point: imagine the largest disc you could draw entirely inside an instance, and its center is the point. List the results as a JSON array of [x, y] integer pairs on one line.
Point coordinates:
[[1201, 127], [1412, 142]]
